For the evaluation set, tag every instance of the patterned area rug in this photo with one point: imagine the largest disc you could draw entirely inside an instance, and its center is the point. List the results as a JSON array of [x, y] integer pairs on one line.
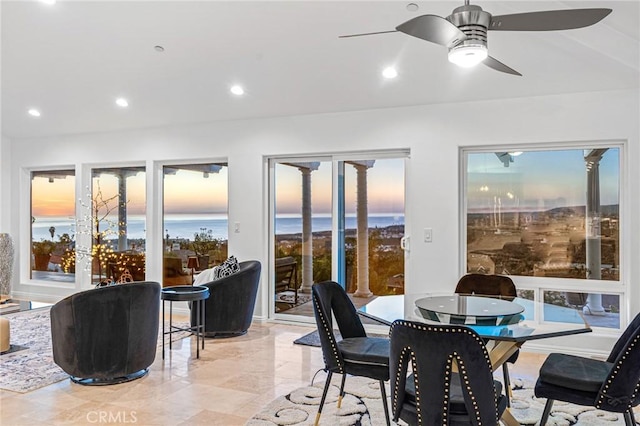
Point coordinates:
[[363, 406], [33, 367], [527, 409]]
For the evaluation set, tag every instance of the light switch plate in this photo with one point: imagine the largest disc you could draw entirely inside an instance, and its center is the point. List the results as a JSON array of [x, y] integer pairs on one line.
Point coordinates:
[[428, 235]]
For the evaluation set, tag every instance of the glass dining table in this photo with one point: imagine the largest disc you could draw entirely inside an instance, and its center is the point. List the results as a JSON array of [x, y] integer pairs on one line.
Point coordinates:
[[507, 324]]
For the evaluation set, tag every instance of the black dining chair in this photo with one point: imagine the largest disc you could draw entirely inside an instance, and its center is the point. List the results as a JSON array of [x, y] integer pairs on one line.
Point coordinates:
[[356, 354], [492, 285], [434, 393], [611, 385]]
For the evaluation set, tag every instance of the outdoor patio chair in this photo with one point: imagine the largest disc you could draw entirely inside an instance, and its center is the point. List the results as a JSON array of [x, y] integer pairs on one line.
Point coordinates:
[[287, 276]]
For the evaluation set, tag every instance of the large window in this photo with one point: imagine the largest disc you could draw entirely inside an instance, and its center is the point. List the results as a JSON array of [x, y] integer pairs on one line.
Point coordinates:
[[195, 219], [53, 225], [118, 206], [548, 213]]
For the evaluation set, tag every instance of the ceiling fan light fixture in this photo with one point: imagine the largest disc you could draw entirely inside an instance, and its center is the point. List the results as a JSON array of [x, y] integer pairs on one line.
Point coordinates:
[[468, 55]]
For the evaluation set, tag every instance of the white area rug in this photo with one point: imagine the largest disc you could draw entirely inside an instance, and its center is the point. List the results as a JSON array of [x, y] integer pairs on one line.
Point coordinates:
[[527, 409], [363, 406], [33, 367]]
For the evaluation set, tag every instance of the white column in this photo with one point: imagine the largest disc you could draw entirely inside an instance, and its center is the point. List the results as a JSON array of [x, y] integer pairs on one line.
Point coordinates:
[[362, 232], [307, 237], [122, 211], [593, 237]]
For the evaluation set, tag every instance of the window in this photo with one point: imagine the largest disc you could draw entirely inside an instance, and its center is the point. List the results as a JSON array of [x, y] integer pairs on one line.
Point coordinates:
[[53, 225], [548, 213], [195, 219], [118, 224]]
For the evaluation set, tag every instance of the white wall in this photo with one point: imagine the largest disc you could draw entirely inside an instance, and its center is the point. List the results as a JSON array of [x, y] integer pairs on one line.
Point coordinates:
[[433, 134], [5, 182]]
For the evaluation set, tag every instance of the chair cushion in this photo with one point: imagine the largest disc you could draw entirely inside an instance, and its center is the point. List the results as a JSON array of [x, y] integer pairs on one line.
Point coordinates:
[[456, 398], [365, 350], [574, 372]]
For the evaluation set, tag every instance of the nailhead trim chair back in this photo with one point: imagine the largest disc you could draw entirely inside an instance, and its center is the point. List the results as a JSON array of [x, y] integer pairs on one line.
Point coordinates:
[[432, 351]]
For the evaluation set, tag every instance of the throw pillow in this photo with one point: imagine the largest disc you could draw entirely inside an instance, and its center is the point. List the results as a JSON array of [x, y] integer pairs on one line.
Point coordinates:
[[228, 267], [206, 276]]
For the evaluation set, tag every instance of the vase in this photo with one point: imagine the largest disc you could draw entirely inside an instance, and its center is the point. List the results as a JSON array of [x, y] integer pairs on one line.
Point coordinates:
[[41, 262], [6, 265]]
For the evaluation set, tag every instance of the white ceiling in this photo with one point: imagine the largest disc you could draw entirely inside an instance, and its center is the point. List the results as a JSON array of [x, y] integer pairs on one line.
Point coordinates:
[[73, 59]]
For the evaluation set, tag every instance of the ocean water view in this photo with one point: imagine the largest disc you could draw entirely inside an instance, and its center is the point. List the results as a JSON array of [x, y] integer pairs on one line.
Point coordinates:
[[185, 226]]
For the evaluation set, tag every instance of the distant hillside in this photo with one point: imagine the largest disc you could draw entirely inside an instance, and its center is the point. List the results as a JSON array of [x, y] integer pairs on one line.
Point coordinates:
[[607, 211], [610, 210]]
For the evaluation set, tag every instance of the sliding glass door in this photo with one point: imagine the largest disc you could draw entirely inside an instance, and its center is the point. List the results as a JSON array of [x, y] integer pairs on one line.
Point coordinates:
[[336, 218]]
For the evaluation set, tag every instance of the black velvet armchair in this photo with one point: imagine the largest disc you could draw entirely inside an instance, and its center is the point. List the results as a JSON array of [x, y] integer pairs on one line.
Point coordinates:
[[232, 299], [108, 335]]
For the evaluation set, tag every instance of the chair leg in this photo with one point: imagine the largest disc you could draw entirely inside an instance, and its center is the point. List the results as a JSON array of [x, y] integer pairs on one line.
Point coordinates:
[[546, 412], [507, 383], [324, 396], [629, 418], [383, 391], [341, 395]]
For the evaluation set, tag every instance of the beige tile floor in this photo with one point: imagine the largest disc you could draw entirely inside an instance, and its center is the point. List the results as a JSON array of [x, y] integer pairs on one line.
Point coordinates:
[[230, 382]]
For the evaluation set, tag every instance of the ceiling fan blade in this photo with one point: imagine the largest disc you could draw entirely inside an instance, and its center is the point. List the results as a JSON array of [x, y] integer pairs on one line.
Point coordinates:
[[433, 28], [499, 66], [366, 34], [549, 20]]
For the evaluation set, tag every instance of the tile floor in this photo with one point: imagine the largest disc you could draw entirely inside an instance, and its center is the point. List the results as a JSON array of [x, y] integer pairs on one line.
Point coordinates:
[[230, 382]]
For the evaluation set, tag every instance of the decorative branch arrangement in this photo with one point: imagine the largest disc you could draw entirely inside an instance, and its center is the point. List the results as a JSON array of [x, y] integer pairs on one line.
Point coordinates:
[[97, 222]]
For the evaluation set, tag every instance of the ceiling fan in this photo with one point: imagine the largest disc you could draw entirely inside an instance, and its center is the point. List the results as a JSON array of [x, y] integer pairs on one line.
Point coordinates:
[[464, 32]]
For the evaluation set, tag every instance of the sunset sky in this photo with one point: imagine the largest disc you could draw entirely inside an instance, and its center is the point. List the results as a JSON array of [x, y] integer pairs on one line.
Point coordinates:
[[536, 180], [188, 192]]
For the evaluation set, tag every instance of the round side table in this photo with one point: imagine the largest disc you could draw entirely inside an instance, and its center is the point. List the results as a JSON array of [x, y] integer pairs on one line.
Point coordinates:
[[185, 293]]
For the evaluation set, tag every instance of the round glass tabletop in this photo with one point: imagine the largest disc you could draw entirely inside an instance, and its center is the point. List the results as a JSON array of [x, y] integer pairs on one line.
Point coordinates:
[[462, 307]]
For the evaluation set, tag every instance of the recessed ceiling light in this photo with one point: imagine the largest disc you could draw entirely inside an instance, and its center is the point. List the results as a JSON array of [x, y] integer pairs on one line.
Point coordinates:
[[237, 90], [122, 102], [158, 48], [34, 112], [390, 72], [412, 7], [49, 2]]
